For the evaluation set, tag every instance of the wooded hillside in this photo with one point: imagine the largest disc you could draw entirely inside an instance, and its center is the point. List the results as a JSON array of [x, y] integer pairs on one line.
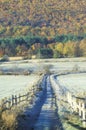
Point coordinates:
[[42, 17], [30, 27]]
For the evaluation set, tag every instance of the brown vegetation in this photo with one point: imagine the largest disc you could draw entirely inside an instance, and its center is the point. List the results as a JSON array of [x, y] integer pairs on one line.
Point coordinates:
[[32, 24], [42, 17], [9, 119]]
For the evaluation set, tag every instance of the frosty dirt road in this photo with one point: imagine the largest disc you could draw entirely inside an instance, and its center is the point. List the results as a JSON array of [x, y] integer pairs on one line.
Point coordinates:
[[48, 118], [43, 114]]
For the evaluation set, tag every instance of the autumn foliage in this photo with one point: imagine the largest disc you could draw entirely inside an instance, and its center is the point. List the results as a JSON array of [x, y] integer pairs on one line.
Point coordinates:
[[29, 25]]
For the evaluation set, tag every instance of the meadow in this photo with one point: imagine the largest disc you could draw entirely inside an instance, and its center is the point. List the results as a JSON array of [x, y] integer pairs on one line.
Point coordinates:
[[36, 65], [12, 85], [75, 83]]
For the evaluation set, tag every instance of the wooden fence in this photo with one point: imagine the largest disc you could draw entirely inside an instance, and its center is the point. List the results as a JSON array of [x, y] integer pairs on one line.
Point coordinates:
[[77, 104], [8, 103]]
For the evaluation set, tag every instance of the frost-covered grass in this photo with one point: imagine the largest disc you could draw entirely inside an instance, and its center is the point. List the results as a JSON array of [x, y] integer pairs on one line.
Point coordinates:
[[15, 84], [75, 83], [37, 65], [69, 119]]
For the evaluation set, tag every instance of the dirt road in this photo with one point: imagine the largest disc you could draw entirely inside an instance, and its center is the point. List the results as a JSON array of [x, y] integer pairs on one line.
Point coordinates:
[[43, 115], [48, 118]]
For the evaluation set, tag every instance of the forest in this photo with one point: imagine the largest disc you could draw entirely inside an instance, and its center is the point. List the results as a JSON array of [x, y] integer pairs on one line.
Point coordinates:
[[44, 28]]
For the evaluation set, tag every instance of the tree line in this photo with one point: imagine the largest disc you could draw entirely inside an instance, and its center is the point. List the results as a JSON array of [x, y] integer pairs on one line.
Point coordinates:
[[44, 28], [43, 47]]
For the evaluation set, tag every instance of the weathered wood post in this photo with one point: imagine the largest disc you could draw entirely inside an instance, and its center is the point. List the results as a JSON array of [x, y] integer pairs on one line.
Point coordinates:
[[74, 103], [83, 117], [80, 112], [84, 114], [15, 100], [9, 103], [83, 111], [12, 100], [5, 102], [19, 98], [69, 96]]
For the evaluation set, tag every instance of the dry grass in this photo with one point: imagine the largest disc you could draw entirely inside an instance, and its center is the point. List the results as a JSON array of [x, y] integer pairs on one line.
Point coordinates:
[[70, 120], [9, 119]]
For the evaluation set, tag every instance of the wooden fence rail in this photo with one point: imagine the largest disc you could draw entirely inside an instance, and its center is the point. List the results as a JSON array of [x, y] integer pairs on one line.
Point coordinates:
[[77, 104], [8, 103]]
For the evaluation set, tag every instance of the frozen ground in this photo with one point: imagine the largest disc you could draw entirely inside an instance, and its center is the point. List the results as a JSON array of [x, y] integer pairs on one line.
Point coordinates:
[[10, 84], [46, 113], [75, 83], [70, 120], [38, 65], [43, 114], [48, 118], [14, 84]]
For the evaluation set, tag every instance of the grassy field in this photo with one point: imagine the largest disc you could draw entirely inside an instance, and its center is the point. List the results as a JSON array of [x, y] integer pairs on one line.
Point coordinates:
[[11, 84], [75, 83], [62, 64]]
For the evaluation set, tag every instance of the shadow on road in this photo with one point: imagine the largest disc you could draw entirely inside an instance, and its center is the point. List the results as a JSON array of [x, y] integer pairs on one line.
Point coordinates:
[[44, 113]]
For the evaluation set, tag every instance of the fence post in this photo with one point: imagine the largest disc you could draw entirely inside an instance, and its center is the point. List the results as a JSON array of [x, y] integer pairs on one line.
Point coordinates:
[[80, 114], [19, 98], [12, 100], [15, 100], [9, 104]]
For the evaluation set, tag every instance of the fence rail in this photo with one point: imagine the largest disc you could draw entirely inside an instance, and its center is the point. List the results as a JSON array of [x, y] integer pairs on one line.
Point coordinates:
[[8, 103], [77, 104]]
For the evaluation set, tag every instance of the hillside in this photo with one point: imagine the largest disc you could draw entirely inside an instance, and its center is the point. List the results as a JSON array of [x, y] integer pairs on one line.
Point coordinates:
[[43, 28], [42, 17]]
